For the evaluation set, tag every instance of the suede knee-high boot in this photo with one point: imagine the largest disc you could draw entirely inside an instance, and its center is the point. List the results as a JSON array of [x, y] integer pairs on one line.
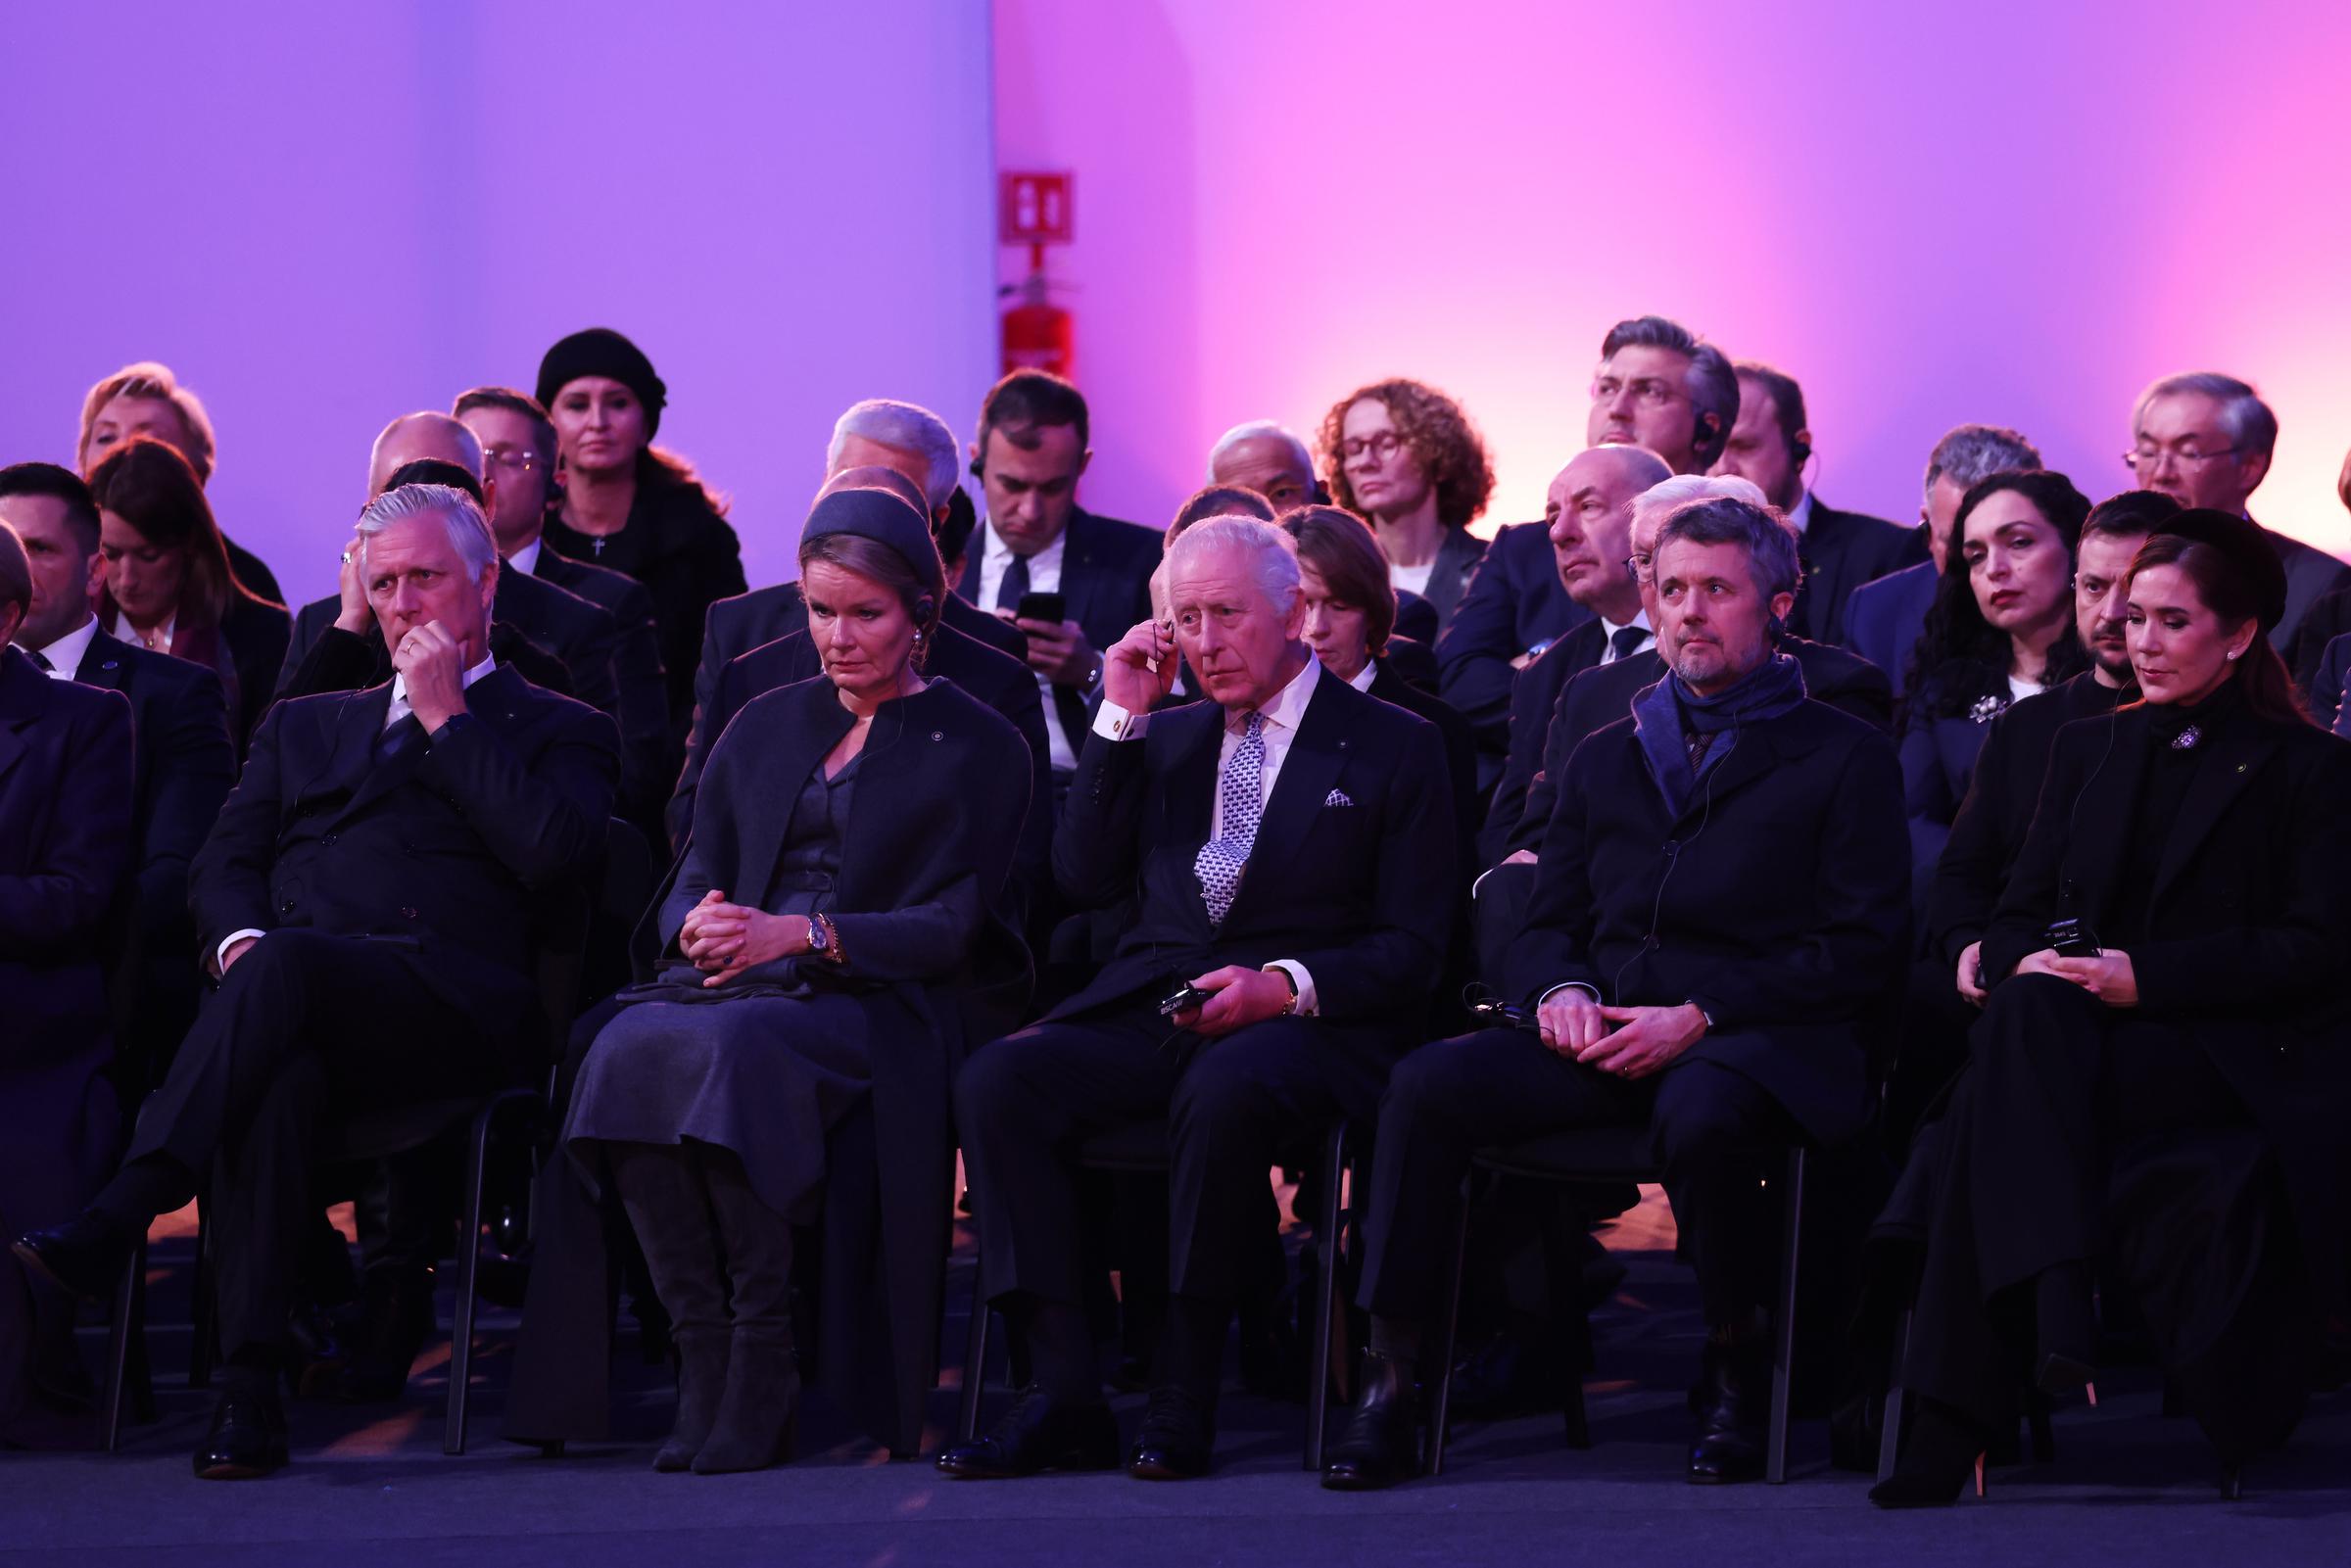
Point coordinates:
[[668, 1204], [759, 1412]]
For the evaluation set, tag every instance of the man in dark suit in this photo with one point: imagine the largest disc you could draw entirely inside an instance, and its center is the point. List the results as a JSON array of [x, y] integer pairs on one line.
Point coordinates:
[[65, 840], [367, 900], [1032, 445], [1293, 842], [1721, 913], [2207, 440], [1770, 445], [1883, 619], [1515, 607], [183, 757], [1588, 517]]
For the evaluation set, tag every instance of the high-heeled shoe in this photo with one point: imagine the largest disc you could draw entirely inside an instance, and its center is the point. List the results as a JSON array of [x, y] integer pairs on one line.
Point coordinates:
[[2232, 1481], [1944, 1451]]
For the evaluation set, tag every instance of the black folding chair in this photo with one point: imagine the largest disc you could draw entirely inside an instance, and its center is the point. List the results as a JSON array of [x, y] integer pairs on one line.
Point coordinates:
[[1612, 1156], [1142, 1149]]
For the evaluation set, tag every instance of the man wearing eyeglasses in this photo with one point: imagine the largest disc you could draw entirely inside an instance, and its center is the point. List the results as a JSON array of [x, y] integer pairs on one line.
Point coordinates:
[[2206, 439], [1662, 386]]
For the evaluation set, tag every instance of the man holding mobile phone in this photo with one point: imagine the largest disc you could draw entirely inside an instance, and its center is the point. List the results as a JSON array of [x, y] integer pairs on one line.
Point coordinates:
[[1070, 581]]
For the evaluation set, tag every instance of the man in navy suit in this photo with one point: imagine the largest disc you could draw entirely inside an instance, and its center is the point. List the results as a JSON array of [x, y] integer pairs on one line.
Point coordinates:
[[1034, 444], [366, 900], [1883, 619], [1292, 842], [1769, 445], [1719, 915], [184, 760]]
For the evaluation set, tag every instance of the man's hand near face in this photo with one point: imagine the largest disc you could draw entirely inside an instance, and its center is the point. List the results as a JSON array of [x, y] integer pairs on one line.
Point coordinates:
[[432, 667]]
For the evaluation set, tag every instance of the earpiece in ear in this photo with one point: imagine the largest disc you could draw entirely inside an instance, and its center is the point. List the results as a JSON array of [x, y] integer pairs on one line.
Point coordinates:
[[925, 607], [2235, 653]]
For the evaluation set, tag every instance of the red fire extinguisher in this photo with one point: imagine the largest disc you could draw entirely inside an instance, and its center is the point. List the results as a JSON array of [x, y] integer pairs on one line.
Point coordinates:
[[1039, 335]]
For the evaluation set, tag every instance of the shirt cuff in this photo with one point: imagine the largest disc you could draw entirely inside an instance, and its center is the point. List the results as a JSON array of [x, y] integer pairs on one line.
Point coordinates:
[[220, 952], [1114, 723], [1309, 1004], [1592, 991]]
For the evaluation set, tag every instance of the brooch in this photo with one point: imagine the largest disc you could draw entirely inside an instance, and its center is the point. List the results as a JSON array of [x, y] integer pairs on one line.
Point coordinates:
[[2188, 740], [1988, 709]]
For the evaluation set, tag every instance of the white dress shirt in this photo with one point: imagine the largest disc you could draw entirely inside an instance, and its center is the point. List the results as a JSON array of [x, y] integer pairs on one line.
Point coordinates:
[[64, 655], [1362, 679], [398, 710], [526, 559], [1799, 515], [1609, 630], [1044, 577], [1281, 718], [1412, 579]]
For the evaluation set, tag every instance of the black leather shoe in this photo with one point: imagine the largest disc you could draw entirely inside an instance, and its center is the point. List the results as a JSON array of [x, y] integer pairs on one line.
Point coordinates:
[[1507, 1377], [1039, 1432], [1178, 1440], [246, 1440], [1734, 1395], [1381, 1442], [80, 1257], [395, 1315]]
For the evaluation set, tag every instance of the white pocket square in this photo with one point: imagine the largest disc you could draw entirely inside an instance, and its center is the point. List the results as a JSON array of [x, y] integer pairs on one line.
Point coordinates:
[[1337, 797]]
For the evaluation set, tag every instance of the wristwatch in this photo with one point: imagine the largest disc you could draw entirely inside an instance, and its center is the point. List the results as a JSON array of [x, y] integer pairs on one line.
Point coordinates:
[[817, 941]]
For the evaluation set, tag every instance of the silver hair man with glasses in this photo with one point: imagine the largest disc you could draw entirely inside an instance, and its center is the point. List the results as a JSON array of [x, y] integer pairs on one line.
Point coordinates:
[[1289, 843], [366, 900], [2206, 439], [1883, 619], [1662, 386]]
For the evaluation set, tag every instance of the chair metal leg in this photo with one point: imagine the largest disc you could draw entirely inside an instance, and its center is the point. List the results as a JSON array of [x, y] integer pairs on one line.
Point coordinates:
[[1441, 1406], [470, 1247], [1890, 1438], [975, 1362], [2045, 1435], [117, 1340], [1327, 1290], [200, 1343], [1783, 1349]]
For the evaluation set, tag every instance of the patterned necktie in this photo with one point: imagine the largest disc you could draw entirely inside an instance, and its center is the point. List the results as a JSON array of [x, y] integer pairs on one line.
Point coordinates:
[[1626, 640], [1699, 745], [1240, 794], [41, 661]]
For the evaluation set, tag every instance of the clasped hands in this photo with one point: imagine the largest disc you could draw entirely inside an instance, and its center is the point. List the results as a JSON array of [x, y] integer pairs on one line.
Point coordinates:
[[1244, 996], [724, 940], [2108, 977], [1630, 1042]]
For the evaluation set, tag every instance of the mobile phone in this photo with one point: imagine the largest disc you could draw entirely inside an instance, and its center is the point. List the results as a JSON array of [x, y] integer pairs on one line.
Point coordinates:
[[2071, 938], [1184, 1001], [1051, 607]]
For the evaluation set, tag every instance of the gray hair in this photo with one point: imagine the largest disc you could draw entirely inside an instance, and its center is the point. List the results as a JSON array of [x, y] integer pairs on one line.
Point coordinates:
[[2252, 423], [1681, 489], [1967, 453], [1711, 381], [902, 427], [468, 531], [1259, 429], [1273, 561], [1759, 530]]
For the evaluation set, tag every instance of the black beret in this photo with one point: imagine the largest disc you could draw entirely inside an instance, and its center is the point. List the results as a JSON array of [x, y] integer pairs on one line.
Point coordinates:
[[433, 471], [884, 517], [602, 352], [2246, 548]]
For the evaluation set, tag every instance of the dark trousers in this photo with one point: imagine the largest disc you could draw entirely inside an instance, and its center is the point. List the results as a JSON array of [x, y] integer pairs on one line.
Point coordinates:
[[1715, 1132], [305, 1027], [1233, 1106]]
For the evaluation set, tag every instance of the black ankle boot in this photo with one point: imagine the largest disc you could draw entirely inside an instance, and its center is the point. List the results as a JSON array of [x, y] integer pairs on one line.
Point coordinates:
[[1381, 1442], [1940, 1455], [759, 1412], [1734, 1395], [702, 1355]]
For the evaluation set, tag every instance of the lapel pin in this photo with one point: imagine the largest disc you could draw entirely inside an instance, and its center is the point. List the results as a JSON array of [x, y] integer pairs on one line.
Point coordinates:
[[2188, 740]]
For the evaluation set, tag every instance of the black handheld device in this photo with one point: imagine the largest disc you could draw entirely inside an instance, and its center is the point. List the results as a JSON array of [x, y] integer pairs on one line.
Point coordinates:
[[1050, 607]]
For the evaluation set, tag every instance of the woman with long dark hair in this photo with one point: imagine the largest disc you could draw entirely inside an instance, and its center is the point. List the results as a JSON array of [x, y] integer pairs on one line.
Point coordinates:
[[830, 943], [630, 505], [2001, 628], [2156, 1092], [168, 586]]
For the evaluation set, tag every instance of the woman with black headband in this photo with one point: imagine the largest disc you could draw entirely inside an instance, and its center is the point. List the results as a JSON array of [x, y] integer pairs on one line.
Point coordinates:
[[2156, 1089], [830, 943], [628, 504]]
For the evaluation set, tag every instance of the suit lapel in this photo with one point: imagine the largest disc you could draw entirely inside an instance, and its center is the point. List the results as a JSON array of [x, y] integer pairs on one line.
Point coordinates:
[[106, 662], [1316, 755], [798, 749], [1455, 553], [1076, 569], [2236, 758], [1190, 768], [2098, 826], [23, 696], [360, 721], [1758, 751]]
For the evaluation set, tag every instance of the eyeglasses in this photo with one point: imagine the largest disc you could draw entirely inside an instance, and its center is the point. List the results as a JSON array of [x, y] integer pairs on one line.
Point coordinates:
[[1649, 391], [519, 459], [1639, 566], [1381, 446], [2146, 459]]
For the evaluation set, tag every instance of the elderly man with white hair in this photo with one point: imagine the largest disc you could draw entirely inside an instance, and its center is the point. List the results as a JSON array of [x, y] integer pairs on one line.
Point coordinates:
[[366, 901], [1292, 841], [1269, 458]]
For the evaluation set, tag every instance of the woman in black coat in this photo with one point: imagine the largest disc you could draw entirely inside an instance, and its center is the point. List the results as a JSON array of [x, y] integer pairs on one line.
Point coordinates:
[[2163, 1109], [830, 943], [168, 586], [628, 504]]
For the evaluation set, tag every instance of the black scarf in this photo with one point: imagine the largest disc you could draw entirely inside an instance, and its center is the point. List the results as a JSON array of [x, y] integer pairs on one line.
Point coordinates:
[[1667, 713]]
